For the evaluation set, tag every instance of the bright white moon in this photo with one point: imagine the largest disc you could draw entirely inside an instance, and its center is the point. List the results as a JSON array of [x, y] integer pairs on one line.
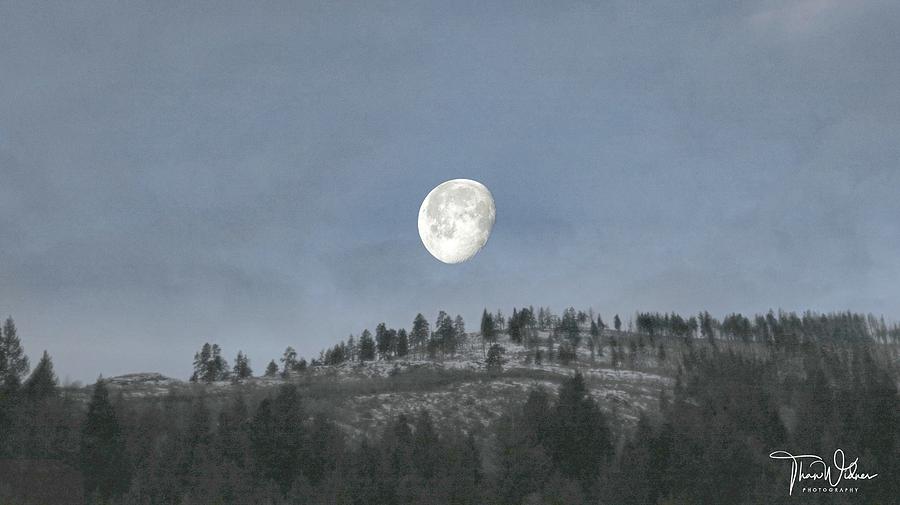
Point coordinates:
[[456, 219]]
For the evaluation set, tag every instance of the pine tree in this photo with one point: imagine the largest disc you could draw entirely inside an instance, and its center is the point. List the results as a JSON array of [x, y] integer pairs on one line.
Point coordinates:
[[276, 433], [9, 402], [271, 369], [459, 327], [444, 338], [499, 320], [426, 446], [202, 362], [400, 439], [420, 333], [195, 445], [43, 382], [494, 360], [593, 341], [488, 329], [632, 353], [580, 440], [14, 364], [617, 323], [209, 365], [514, 327], [288, 361], [351, 348], [366, 346], [323, 449], [384, 340], [566, 353], [692, 327], [402, 343], [103, 458], [219, 366], [8, 382], [707, 327], [569, 327], [242, 368]]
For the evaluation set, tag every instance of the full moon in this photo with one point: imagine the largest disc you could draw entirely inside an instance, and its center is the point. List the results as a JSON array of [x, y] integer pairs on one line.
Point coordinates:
[[456, 219]]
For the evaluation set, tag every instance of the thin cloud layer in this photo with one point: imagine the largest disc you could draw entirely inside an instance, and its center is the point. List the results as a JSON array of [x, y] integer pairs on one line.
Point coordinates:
[[251, 175]]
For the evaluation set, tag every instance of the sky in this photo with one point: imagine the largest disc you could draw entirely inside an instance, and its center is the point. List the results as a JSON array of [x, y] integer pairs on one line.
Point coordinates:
[[250, 173]]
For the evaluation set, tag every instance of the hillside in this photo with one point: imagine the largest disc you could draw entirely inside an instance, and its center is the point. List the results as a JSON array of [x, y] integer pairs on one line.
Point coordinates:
[[456, 390]]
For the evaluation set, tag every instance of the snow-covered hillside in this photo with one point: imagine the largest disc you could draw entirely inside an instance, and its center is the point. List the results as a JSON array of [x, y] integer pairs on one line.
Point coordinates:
[[455, 389]]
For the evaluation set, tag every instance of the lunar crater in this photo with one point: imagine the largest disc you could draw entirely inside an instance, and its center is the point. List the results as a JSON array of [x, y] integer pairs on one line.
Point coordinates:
[[456, 219]]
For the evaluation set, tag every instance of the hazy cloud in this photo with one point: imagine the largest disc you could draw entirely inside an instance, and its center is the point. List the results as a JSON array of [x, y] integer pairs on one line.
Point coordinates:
[[177, 173]]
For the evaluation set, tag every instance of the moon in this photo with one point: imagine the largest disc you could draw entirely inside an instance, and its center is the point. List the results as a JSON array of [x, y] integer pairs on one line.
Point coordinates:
[[455, 220]]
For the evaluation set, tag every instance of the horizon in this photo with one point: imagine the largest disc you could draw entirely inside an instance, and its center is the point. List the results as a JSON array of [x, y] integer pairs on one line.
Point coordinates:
[[258, 366]]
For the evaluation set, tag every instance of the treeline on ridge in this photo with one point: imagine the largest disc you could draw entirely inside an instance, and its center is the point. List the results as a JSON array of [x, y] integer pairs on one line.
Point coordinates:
[[781, 330]]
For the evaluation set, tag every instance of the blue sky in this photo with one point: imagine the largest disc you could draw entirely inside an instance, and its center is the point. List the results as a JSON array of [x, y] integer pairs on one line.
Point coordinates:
[[250, 173]]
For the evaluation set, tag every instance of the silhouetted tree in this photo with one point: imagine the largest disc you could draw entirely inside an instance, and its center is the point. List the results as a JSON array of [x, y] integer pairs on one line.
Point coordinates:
[[384, 340], [426, 446], [737, 327], [707, 327], [209, 365], [242, 368], [444, 338], [488, 329], [104, 465], [202, 364], [366, 346], [352, 350], [459, 327], [43, 382], [420, 333], [569, 327], [579, 440], [14, 364], [276, 434], [218, 365], [402, 343], [288, 361], [514, 327]]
